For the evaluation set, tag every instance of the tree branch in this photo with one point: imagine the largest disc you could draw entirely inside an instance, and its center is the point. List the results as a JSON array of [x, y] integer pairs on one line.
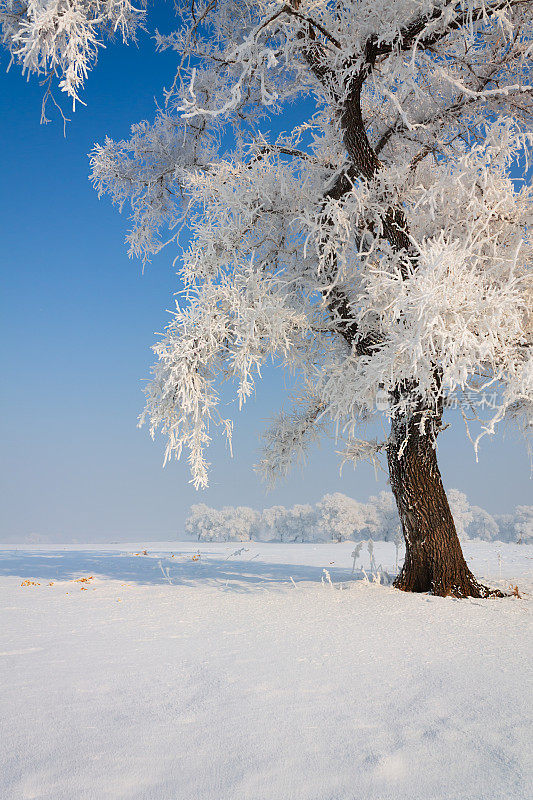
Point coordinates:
[[292, 10], [408, 36]]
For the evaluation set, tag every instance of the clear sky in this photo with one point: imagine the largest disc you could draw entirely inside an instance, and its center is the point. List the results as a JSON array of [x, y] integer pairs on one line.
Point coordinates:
[[78, 318]]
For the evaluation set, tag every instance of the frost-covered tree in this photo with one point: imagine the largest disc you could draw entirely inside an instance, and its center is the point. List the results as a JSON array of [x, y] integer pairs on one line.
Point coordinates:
[[271, 522], [377, 248], [471, 522], [340, 517], [524, 524], [227, 524], [297, 524], [461, 511], [381, 517], [517, 527]]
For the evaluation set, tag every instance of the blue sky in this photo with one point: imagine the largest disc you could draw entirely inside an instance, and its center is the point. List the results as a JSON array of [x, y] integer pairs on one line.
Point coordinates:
[[78, 318]]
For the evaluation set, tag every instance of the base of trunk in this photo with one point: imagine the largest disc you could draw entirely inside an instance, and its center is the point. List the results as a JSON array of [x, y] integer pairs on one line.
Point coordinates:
[[434, 579], [434, 561]]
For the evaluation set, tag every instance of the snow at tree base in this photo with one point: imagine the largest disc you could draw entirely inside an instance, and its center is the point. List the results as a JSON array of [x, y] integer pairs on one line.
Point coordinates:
[[192, 671], [376, 249]]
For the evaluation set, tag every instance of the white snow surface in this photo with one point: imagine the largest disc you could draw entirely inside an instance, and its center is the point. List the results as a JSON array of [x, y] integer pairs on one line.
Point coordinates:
[[244, 676]]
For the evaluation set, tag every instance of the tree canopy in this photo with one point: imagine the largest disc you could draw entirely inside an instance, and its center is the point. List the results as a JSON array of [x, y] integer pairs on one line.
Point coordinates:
[[379, 247]]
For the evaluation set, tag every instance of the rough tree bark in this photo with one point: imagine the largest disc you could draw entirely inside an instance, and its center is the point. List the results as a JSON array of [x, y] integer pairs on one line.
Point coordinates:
[[434, 561]]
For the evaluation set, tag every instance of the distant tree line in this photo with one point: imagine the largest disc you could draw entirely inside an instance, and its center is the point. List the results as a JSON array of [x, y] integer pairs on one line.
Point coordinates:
[[337, 517]]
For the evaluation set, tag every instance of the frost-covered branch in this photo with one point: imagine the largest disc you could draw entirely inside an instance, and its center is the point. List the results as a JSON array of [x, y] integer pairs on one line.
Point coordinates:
[[377, 247], [61, 38]]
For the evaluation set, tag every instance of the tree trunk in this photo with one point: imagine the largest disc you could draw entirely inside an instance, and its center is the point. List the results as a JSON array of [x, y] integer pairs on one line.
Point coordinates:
[[434, 561]]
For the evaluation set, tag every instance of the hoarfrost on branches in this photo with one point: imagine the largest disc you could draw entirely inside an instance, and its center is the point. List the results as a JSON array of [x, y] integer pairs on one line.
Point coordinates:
[[60, 39], [379, 246]]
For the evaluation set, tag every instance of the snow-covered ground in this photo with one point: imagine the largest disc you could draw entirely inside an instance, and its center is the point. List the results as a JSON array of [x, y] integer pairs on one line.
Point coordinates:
[[245, 676]]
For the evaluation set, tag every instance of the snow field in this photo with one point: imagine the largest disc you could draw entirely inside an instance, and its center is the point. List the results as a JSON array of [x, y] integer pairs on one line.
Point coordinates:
[[172, 677]]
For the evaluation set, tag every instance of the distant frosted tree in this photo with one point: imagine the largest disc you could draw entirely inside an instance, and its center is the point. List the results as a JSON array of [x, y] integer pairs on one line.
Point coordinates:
[[200, 522], [382, 517], [339, 516], [461, 510], [243, 520], [378, 249], [483, 525], [227, 524], [472, 522], [523, 524], [271, 521], [505, 524], [298, 524]]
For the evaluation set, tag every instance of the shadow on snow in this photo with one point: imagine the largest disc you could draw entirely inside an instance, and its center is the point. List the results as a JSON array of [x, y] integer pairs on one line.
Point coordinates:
[[239, 574]]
